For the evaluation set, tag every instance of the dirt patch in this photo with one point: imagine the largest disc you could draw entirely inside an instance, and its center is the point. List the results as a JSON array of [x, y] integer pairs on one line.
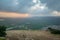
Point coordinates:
[[30, 35]]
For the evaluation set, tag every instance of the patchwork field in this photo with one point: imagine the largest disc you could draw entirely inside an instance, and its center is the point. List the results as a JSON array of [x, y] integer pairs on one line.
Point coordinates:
[[30, 35]]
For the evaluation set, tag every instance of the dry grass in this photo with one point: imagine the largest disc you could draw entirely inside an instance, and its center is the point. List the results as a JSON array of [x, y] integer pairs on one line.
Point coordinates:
[[30, 35]]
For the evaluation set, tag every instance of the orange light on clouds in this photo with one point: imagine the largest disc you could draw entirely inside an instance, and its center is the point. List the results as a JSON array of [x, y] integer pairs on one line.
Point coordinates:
[[13, 15]]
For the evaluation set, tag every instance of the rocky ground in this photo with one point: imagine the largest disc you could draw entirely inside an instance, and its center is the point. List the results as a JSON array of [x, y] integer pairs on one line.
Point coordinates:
[[31, 35]]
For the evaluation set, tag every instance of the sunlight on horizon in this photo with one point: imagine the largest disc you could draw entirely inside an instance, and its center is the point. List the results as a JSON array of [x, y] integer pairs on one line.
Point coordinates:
[[13, 15]]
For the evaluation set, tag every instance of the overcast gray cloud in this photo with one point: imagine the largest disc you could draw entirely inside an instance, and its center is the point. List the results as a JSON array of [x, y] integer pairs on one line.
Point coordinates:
[[32, 7], [52, 4]]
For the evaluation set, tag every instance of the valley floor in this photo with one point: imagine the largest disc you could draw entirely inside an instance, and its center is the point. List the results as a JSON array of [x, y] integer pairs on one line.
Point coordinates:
[[31, 35]]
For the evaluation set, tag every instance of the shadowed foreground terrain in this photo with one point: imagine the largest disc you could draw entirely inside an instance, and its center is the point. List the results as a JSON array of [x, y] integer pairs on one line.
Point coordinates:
[[30, 35]]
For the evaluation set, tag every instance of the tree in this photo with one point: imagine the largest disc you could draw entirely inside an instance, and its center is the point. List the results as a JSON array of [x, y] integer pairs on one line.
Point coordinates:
[[2, 31]]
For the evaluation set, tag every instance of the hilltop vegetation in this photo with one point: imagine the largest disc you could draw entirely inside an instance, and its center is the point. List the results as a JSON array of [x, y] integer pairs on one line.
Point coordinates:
[[2, 38], [2, 31], [54, 31]]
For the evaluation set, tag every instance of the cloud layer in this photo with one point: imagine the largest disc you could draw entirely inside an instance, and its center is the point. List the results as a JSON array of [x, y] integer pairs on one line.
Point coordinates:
[[32, 7], [56, 13]]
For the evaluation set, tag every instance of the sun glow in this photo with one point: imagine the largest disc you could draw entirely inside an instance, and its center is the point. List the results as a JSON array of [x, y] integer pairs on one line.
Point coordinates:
[[34, 1], [13, 15]]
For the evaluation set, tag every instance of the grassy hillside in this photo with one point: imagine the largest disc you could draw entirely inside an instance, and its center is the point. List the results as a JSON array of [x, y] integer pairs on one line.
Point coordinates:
[[2, 38]]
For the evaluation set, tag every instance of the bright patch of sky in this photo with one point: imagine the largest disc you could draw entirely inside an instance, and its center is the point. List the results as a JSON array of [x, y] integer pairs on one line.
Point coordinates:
[[38, 5], [15, 2], [38, 8]]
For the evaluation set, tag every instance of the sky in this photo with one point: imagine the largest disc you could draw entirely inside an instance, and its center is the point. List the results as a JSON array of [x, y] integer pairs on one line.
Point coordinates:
[[29, 8]]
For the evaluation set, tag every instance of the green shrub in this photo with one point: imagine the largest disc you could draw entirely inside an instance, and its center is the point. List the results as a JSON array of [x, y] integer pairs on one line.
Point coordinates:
[[2, 38], [54, 31], [2, 31]]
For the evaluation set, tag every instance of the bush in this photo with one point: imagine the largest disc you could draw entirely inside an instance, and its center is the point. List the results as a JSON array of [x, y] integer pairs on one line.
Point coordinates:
[[54, 31], [2, 39], [2, 31]]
